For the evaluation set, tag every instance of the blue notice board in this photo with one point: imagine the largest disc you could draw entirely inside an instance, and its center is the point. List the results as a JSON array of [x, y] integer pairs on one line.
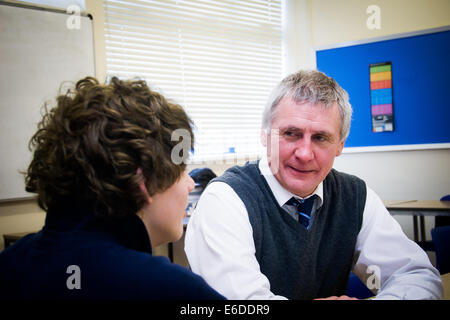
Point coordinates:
[[420, 87]]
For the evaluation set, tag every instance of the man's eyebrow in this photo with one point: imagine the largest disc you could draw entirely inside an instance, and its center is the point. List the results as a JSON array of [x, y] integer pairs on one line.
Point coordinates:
[[324, 133], [327, 134], [290, 128], [297, 129]]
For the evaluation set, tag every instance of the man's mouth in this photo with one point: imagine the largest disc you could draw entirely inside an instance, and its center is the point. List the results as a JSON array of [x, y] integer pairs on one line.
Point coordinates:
[[301, 170]]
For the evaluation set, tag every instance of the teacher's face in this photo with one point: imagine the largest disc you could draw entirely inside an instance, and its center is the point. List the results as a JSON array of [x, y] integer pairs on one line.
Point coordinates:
[[308, 138]]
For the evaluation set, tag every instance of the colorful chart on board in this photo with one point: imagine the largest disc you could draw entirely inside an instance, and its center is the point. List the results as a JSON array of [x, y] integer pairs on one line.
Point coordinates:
[[381, 97]]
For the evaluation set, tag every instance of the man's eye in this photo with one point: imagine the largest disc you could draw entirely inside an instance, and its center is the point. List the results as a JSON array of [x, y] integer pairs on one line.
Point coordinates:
[[288, 133], [320, 138], [291, 134]]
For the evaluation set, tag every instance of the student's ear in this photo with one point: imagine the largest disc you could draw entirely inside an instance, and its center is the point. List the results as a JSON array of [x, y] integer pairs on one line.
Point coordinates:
[[142, 185], [263, 136]]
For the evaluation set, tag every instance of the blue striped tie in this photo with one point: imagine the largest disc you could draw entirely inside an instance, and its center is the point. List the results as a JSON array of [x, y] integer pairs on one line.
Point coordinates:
[[304, 208]]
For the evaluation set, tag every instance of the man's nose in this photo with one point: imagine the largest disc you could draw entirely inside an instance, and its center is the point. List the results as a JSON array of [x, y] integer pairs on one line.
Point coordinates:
[[304, 150]]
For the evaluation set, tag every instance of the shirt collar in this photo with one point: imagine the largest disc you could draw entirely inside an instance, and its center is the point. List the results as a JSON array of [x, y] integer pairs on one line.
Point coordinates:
[[281, 194]]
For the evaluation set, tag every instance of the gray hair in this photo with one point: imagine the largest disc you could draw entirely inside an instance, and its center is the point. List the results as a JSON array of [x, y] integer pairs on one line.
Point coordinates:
[[313, 87]]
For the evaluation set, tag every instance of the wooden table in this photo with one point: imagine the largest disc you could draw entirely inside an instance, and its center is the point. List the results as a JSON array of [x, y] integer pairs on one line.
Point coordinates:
[[446, 285], [418, 209]]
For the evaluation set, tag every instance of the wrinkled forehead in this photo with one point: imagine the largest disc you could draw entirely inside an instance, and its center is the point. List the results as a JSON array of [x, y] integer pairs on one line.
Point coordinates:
[[289, 106], [296, 109], [306, 116]]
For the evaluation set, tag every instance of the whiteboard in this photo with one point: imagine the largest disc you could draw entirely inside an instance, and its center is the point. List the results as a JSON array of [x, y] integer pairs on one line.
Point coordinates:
[[38, 52]]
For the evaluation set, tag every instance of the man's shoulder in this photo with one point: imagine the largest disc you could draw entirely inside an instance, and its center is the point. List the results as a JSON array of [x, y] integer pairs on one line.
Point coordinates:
[[248, 183], [343, 177], [346, 186], [239, 173], [242, 179]]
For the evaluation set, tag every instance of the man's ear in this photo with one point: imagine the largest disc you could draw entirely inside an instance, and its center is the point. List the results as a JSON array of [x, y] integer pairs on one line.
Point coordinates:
[[340, 148], [263, 136]]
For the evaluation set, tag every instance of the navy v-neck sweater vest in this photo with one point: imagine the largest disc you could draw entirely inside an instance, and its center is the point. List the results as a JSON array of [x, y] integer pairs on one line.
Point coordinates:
[[301, 263]]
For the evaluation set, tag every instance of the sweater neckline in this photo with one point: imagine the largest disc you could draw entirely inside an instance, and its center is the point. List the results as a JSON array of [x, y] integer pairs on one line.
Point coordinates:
[[70, 217]]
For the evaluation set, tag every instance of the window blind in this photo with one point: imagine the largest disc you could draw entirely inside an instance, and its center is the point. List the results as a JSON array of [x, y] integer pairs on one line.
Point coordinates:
[[219, 59]]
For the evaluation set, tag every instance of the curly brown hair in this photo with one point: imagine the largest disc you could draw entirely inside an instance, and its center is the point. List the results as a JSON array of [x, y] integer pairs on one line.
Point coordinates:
[[91, 145]]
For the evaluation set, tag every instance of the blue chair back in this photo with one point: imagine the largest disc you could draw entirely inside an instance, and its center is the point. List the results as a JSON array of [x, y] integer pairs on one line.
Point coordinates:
[[441, 240], [357, 289], [441, 221]]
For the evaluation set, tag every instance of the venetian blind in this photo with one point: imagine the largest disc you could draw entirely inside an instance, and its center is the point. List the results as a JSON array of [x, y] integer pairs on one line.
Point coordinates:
[[219, 59]]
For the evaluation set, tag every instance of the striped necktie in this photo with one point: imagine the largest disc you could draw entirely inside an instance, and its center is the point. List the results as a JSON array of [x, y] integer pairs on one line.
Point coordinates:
[[304, 208]]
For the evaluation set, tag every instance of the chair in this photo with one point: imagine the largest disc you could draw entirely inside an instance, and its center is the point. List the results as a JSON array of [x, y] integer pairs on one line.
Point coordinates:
[[439, 221], [441, 240], [357, 289], [202, 176]]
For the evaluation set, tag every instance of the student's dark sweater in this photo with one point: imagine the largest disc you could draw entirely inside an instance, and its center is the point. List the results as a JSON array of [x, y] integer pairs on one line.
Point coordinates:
[[114, 261]]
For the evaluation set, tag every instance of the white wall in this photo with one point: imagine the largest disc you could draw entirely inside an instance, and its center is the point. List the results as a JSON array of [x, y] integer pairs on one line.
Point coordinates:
[[298, 47], [336, 21], [400, 175]]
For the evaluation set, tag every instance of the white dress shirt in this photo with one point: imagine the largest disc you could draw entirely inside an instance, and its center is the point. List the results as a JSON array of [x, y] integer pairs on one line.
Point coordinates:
[[219, 246]]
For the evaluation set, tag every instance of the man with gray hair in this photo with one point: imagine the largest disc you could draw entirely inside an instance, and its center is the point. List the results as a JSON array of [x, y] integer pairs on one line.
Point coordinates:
[[289, 226]]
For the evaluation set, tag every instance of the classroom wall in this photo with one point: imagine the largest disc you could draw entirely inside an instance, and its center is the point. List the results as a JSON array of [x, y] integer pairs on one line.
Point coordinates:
[[345, 20]]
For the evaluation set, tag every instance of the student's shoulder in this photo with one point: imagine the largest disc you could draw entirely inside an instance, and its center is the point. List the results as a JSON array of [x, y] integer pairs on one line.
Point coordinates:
[[156, 275], [13, 254]]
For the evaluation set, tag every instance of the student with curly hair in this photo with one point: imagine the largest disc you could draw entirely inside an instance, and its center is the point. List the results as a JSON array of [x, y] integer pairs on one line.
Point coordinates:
[[103, 172]]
